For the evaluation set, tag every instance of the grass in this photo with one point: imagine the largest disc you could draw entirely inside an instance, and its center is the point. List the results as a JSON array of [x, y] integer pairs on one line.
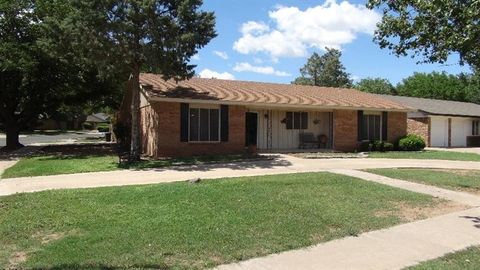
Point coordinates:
[[192, 226], [462, 180], [65, 164], [427, 154], [51, 165], [468, 259]]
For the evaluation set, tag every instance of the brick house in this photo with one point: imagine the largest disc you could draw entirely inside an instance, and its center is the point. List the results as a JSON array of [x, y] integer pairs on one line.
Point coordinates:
[[211, 116], [442, 123]]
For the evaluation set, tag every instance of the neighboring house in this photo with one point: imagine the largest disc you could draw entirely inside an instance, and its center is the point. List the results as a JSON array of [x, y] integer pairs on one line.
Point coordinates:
[[442, 123], [97, 118], [211, 116]]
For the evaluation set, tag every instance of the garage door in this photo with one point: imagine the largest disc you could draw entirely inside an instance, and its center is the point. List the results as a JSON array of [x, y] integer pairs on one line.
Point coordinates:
[[439, 132], [461, 128]]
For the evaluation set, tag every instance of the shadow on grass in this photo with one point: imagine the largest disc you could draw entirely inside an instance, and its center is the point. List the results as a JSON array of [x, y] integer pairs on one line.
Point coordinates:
[[103, 267], [207, 163]]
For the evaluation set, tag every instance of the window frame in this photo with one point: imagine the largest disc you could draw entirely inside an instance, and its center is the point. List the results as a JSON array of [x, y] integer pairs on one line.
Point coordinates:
[[475, 127], [366, 126], [199, 123], [300, 124]]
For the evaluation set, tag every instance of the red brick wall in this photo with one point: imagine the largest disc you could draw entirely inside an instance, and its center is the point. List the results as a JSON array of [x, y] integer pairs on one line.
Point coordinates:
[[420, 127], [166, 138], [345, 129], [397, 126]]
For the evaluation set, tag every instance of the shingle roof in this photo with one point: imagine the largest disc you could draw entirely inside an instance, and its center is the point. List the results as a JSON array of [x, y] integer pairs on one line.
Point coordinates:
[[438, 107], [256, 93]]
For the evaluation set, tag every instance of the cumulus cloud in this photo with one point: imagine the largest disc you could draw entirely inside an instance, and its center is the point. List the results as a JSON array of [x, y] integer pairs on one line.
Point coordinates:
[[294, 31], [220, 54], [210, 74], [196, 57], [242, 67]]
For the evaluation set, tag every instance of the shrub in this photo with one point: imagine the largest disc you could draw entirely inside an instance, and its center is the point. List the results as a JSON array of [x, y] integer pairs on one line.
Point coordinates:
[[377, 146], [388, 147], [411, 142], [103, 129]]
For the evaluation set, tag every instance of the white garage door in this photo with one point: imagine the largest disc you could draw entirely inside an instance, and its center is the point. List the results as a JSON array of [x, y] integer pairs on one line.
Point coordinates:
[[439, 132], [461, 128]]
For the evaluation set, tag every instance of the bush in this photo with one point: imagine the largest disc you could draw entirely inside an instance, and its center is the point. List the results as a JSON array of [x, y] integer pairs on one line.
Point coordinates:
[[388, 147], [411, 142]]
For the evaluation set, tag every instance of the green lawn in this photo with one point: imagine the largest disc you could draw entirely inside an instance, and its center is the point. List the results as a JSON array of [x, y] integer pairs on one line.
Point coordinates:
[[463, 180], [51, 165], [64, 164], [445, 155], [193, 226], [468, 259]]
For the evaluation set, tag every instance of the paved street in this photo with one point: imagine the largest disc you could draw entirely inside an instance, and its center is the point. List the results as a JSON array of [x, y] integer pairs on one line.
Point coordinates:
[[67, 137]]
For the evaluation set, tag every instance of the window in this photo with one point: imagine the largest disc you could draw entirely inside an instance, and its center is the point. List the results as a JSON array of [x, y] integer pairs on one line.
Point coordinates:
[[204, 125], [475, 129], [297, 120], [371, 127]]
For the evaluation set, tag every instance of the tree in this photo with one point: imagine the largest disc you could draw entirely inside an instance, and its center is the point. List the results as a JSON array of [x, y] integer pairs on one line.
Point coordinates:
[[326, 70], [158, 35], [376, 86], [432, 29], [436, 85], [34, 78]]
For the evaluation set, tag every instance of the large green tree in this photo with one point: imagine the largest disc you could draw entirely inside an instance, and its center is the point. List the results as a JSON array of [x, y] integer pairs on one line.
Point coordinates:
[[437, 86], [431, 29], [35, 78], [325, 70], [156, 35], [376, 86]]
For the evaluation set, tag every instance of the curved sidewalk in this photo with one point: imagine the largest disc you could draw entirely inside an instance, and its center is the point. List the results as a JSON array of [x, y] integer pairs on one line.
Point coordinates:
[[281, 165]]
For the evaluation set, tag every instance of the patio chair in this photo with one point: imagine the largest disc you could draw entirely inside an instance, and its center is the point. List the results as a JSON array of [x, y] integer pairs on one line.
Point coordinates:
[[308, 140]]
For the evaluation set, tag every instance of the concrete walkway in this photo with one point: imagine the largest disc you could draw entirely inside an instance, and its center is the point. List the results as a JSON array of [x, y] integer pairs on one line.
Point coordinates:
[[281, 165], [393, 248], [460, 197]]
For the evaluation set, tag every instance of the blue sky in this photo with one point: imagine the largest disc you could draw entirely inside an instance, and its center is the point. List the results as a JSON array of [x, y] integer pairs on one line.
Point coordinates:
[[269, 40]]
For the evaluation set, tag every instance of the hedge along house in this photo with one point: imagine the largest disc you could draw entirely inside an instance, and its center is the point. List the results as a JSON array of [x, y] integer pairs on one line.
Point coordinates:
[[442, 123], [211, 116]]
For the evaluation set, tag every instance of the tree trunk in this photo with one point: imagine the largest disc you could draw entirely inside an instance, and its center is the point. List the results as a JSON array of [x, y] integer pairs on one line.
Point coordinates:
[[13, 133], [135, 109]]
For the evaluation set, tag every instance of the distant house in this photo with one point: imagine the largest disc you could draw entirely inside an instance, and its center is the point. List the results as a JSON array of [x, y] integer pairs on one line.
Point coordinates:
[[97, 118], [442, 123], [211, 116]]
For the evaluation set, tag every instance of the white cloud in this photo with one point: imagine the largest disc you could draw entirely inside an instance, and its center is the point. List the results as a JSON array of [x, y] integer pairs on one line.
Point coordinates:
[[209, 74], [295, 31], [220, 54], [196, 57], [242, 67], [257, 60]]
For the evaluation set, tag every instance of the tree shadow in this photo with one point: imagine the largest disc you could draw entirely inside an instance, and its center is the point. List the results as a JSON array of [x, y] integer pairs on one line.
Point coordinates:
[[475, 220], [266, 163]]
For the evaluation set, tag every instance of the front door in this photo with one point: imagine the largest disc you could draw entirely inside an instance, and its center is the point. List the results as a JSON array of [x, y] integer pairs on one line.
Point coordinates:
[[251, 128]]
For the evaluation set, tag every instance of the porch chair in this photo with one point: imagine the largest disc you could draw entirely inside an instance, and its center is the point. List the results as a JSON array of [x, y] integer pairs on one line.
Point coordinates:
[[307, 140]]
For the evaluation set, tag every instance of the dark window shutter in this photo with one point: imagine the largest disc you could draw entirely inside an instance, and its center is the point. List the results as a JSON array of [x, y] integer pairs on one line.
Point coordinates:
[[289, 120], [360, 126], [224, 123], [304, 120], [184, 115], [385, 126]]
